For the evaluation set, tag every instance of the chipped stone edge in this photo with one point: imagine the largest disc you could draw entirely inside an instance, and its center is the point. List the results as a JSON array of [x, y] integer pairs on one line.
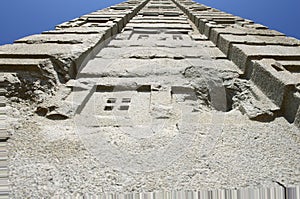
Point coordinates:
[[207, 23], [72, 60]]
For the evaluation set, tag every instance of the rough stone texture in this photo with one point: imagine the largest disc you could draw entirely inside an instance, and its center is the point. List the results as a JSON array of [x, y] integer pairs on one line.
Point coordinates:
[[30, 78], [297, 119], [241, 53], [67, 57], [5, 132], [238, 30], [245, 42], [225, 41], [60, 39], [69, 46], [165, 95], [78, 30]]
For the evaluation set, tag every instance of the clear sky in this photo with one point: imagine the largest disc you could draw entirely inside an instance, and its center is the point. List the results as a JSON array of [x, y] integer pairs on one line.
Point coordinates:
[[19, 18]]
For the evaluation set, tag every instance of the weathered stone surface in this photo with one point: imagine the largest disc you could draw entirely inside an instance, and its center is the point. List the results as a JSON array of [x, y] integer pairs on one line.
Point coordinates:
[[132, 67], [241, 53], [78, 30], [219, 18], [166, 42], [237, 30], [297, 119], [44, 67], [258, 106], [46, 50], [147, 66], [272, 82], [154, 21], [255, 26], [206, 27], [73, 104], [66, 56], [160, 26], [181, 19], [225, 40], [163, 52], [224, 66], [101, 20], [61, 39], [67, 48], [73, 23], [159, 106]]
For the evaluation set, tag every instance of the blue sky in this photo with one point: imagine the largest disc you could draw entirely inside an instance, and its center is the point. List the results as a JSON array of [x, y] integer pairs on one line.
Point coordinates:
[[19, 18]]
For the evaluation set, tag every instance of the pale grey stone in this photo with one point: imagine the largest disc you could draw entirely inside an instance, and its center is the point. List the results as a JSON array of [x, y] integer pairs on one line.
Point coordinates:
[[40, 49], [145, 115], [155, 21], [272, 82], [237, 30], [36, 67], [240, 53], [225, 40], [60, 39], [175, 53], [78, 30], [132, 67], [68, 57], [160, 26]]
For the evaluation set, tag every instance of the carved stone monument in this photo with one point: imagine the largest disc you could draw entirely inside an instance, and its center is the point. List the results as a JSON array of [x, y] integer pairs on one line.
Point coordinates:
[[151, 99]]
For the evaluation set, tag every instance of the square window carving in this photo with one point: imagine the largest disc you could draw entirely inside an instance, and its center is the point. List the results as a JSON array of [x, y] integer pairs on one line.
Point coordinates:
[[126, 100], [124, 108], [111, 100], [177, 37], [108, 108], [143, 37]]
